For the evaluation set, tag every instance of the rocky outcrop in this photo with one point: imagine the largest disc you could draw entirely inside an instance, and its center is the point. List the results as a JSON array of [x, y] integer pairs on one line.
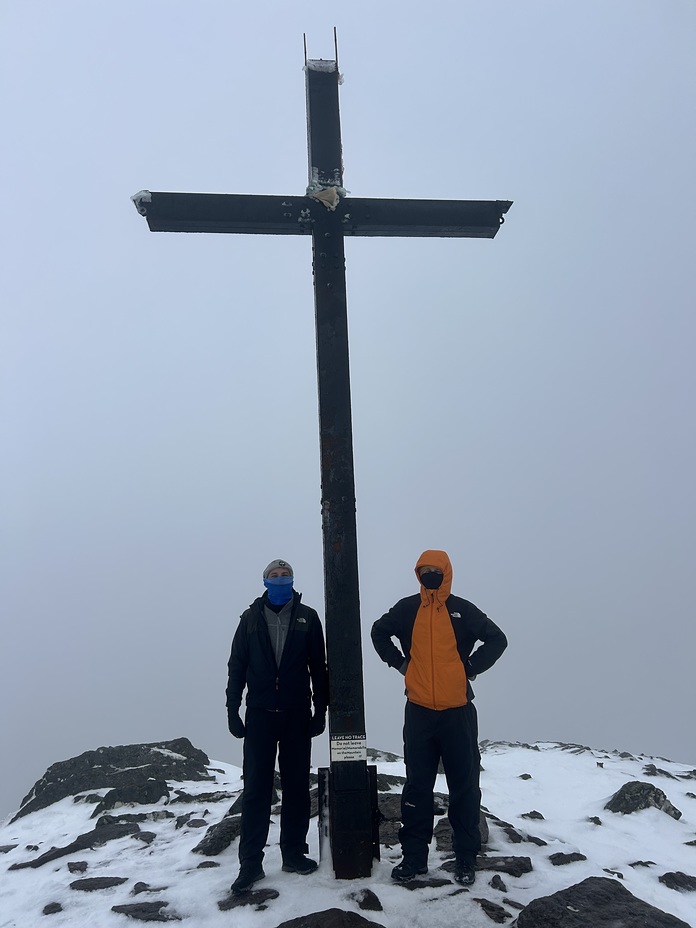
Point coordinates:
[[130, 765], [635, 796], [599, 902]]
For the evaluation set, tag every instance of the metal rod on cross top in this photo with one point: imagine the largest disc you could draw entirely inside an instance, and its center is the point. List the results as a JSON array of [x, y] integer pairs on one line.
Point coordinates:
[[328, 214]]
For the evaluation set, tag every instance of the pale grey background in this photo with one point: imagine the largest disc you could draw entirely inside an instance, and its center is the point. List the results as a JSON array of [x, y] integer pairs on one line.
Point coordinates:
[[525, 403]]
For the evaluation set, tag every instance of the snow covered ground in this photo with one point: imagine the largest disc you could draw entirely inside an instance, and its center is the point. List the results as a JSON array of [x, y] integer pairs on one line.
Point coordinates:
[[566, 784]]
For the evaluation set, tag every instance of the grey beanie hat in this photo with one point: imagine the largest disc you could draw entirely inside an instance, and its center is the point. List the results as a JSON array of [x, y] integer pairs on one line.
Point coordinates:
[[277, 563]]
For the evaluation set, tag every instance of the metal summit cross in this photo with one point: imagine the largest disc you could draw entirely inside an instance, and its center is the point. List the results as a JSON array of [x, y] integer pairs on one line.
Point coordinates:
[[328, 215]]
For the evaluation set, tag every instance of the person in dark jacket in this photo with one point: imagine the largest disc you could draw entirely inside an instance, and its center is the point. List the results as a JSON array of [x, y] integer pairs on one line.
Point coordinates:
[[437, 632], [278, 654]]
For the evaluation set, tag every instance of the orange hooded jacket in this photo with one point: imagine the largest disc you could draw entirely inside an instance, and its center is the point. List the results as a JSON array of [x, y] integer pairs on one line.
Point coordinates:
[[435, 677]]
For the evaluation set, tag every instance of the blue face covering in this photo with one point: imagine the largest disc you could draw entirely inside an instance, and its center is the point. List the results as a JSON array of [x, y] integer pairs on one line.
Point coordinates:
[[279, 589]]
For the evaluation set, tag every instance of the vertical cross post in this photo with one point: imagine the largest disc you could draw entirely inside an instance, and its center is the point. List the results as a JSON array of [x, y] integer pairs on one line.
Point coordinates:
[[350, 806]]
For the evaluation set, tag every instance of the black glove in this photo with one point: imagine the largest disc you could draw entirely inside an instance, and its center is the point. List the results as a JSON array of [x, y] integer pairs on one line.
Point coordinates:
[[235, 724], [317, 724]]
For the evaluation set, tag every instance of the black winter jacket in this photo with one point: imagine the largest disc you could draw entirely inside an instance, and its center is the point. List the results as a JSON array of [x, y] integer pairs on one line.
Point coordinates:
[[469, 623], [252, 662]]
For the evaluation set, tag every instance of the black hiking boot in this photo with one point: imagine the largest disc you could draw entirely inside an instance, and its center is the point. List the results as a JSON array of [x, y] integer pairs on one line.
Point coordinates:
[[248, 875], [465, 873], [299, 864], [406, 871]]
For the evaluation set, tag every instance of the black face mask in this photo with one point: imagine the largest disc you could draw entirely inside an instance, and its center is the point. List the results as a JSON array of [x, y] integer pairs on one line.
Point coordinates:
[[431, 580]]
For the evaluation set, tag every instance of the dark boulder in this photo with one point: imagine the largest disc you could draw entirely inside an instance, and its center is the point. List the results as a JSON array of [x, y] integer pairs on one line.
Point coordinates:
[[366, 900], [635, 796], [99, 836], [112, 767], [145, 911], [91, 883], [257, 898], [680, 881], [219, 836], [599, 902], [148, 792], [52, 908], [560, 859]]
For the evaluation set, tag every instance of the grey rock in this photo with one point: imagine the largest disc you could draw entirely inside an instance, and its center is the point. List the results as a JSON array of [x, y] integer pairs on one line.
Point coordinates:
[[219, 836], [595, 820], [598, 902], [257, 898], [389, 833], [384, 757], [385, 781], [183, 796], [77, 866], [427, 882], [147, 837], [91, 883], [96, 838], [635, 796], [207, 863], [497, 883], [367, 900], [389, 805], [650, 770], [124, 765], [145, 911], [643, 863], [560, 859], [52, 908], [6, 848], [147, 792], [533, 815], [494, 911], [679, 881], [513, 866], [330, 918]]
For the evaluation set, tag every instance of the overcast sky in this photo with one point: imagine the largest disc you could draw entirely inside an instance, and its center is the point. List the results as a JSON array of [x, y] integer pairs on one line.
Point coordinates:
[[525, 403]]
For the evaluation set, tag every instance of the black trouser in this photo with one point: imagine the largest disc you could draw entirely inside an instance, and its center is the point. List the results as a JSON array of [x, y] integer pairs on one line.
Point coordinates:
[[288, 733], [450, 735]]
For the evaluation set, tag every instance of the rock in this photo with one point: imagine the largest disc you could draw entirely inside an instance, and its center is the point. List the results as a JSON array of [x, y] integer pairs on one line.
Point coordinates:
[[207, 863], [525, 776], [598, 902], [257, 897], [650, 770], [533, 814], [594, 820], [497, 883], [389, 833], [643, 863], [513, 904], [147, 837], [148, 792], [146, 911], [90, 883], [635, 796], [52, 908], [125, 765], [429, 882], [443, 833], [99, 836], [560, 859], [494, 911], [513, 866], [385, 781], [219, 836], [367, 900], [389, 805], [77, 866], [6, 848], [330, 918], [183, 796], [384, 757], [680, 881]]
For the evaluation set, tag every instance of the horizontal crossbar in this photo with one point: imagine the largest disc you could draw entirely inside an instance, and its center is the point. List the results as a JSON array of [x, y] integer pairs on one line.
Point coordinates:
[[274, 215]]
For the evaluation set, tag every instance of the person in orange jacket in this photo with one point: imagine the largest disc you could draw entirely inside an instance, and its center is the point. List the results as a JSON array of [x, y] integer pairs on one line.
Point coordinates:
[[437, 633]]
